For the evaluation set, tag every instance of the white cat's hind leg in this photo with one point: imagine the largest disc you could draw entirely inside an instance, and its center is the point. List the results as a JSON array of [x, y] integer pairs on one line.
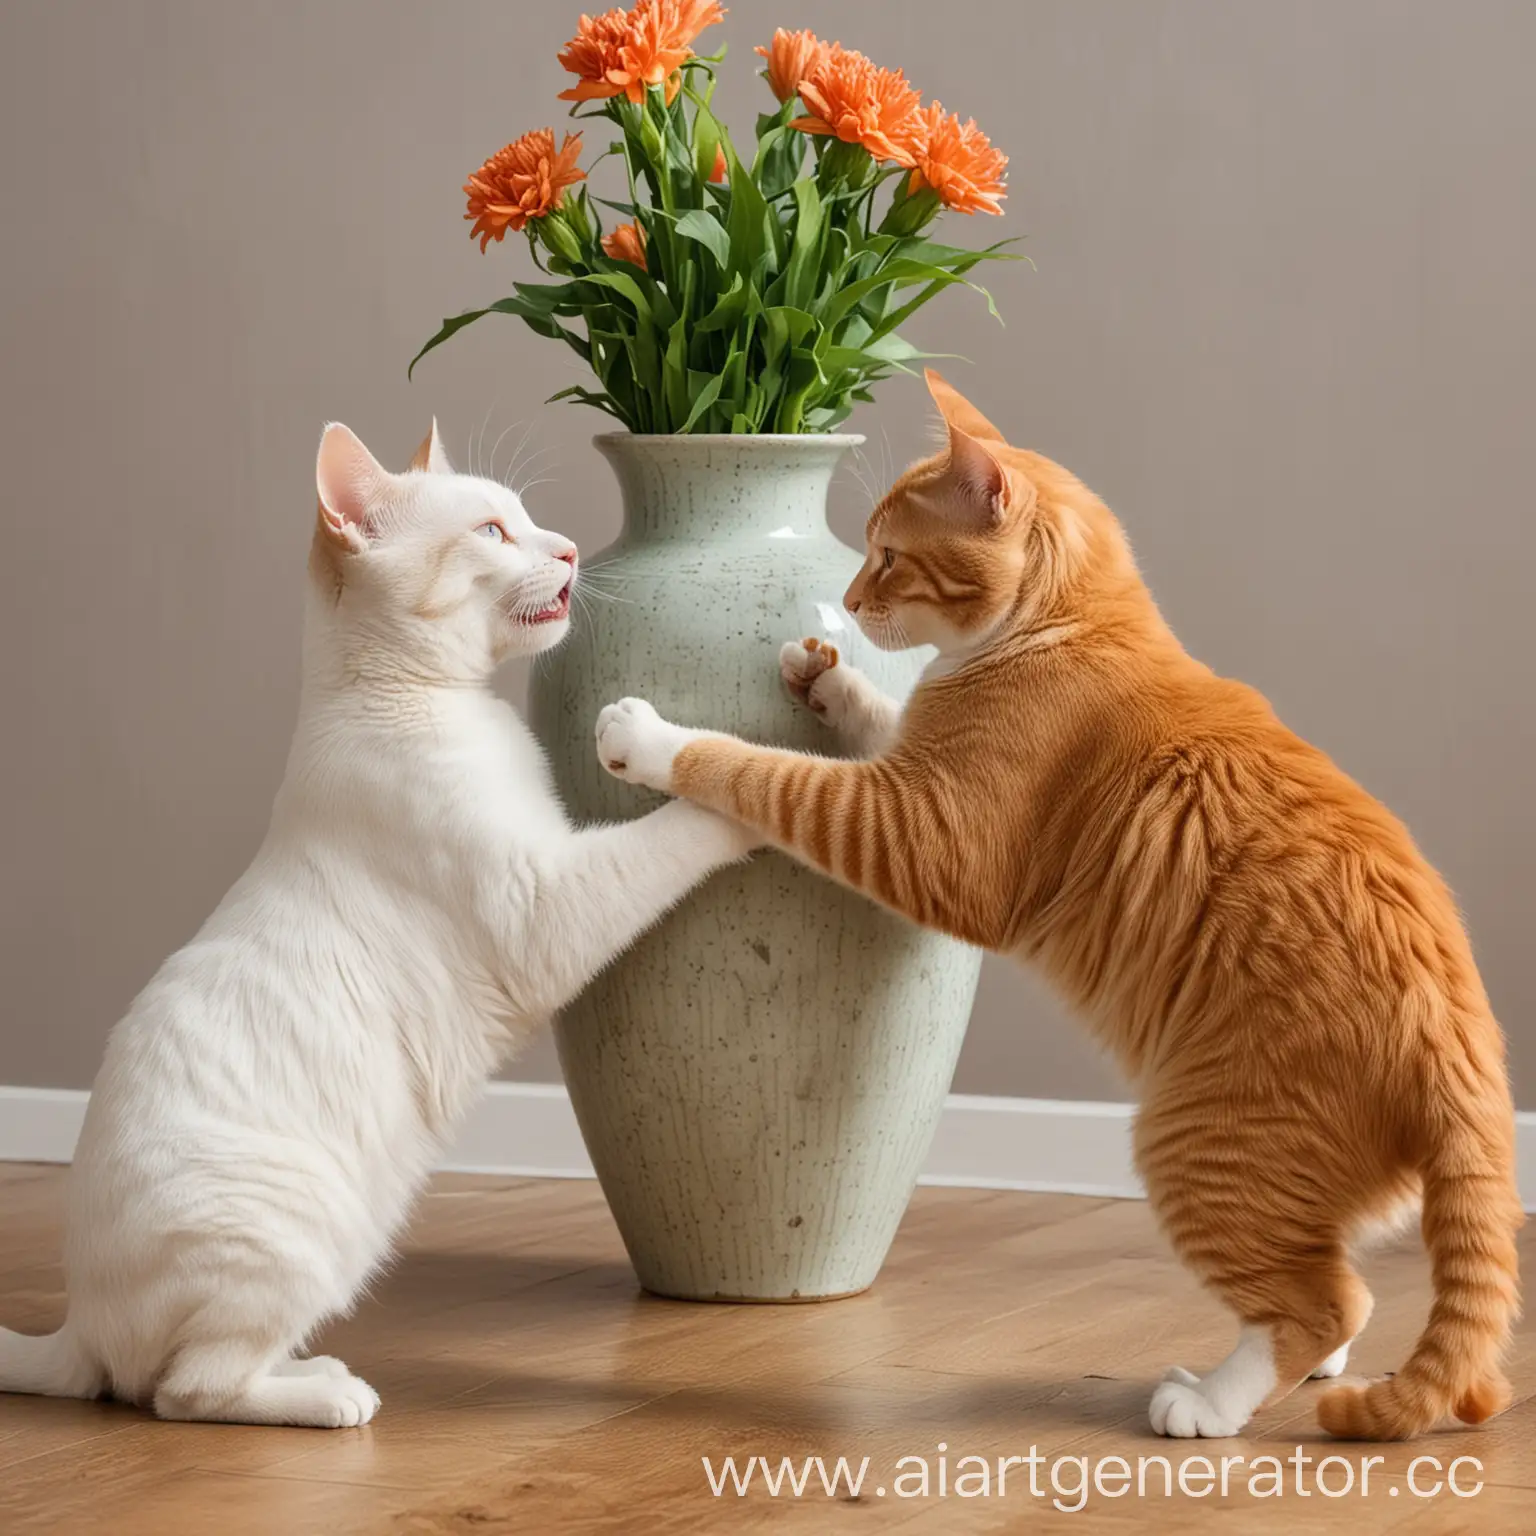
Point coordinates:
[[304, 1402], [311, 1365], [232, 1382]]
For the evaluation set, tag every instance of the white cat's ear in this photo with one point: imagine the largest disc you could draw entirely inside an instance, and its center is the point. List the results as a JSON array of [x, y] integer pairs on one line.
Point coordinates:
[[352, 486], [432, 456]]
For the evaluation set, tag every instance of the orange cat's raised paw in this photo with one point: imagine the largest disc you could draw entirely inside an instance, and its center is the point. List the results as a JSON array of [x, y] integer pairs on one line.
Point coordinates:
[[801, 662]]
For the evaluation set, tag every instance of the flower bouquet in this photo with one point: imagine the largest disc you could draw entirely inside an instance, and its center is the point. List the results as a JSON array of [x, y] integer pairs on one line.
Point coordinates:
[[733, 297]]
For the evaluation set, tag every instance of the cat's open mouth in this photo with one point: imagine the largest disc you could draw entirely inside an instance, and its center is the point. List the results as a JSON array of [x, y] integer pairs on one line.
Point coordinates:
[[558, 609]]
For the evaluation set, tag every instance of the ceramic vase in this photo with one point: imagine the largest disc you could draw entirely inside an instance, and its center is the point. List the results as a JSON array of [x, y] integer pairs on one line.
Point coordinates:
[[759, 1078]]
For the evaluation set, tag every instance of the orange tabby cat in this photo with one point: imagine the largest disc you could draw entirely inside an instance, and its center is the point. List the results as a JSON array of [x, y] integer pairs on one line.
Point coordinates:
[[1259, 941]]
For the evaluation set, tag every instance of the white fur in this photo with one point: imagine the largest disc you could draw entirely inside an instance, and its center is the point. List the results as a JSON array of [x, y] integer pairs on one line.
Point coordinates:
[[1216, 1406], [635, 744], [1333, 1365], [276, 1095]]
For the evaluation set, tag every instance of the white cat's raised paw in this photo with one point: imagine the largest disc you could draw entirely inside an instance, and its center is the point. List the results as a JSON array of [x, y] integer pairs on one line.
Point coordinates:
[[1180, 1409], [635, 744]]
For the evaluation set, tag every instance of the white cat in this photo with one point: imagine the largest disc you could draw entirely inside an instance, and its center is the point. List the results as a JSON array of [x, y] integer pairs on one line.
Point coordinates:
[[276, 1095]]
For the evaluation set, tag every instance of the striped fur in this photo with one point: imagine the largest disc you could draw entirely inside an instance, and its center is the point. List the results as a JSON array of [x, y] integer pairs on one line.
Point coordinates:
[[1258, 940]]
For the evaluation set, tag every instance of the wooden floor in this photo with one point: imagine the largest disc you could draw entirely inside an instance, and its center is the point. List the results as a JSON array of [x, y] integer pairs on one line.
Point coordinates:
[[529, 1387]]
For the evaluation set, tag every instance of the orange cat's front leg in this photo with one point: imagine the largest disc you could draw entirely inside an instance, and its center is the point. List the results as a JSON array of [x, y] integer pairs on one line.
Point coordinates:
[[876, 825], [865, 719]]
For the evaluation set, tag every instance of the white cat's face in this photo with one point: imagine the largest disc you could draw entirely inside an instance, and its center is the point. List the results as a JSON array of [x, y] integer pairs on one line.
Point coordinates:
[[447, 571]]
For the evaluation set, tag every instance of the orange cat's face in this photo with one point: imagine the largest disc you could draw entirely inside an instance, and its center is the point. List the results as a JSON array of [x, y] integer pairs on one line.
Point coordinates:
[[933, 573], [965, 539]]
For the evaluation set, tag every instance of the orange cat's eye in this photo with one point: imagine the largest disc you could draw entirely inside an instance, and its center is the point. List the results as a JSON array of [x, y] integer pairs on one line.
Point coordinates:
[[890, 558]]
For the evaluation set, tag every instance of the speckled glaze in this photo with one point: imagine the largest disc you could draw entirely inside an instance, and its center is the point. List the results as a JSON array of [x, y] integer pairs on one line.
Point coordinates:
[[759, 1079]]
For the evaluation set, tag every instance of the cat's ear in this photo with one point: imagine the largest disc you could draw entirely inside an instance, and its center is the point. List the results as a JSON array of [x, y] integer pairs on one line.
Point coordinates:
[[432, 456], [352, 486], [982, 487], [957, 411], [985, 489]]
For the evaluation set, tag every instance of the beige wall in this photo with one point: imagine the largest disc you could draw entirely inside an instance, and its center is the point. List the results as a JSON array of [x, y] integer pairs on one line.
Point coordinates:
[[1283, 319]]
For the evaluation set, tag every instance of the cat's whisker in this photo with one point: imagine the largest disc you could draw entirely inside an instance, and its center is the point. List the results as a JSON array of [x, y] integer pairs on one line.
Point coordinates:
[[537, 461], [552, 466], [599, 595], [476, 442], [597, 585], [519, 462], [495, 447], [861, 470], [517, 454]]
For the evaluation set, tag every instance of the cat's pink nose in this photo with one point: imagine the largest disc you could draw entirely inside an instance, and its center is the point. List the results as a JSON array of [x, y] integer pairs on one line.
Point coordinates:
[[568, 555]]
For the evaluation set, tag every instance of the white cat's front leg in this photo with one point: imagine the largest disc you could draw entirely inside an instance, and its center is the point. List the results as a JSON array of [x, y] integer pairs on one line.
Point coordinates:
[[635, 744], [843, 696], [607, 885]]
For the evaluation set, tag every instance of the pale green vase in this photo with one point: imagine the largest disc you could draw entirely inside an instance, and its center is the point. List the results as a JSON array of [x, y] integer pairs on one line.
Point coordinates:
[[758, 1080]]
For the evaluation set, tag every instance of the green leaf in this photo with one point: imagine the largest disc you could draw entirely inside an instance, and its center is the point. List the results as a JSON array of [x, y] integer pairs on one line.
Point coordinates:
[[698, 225], [802, 376], [893, 274], [535, 315], [729, 308], [749, 218], [588, 397], [706, 141], [787, 327], [705, 398], [675, 375], [733, 378], [805, 251]]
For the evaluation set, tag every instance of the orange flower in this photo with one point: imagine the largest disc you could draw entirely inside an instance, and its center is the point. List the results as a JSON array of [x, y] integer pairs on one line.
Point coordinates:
[[523, 181], [720, 169], [593, 52], [851, 100], [792, 57], [626, 53], [626, 243], [958, 161]]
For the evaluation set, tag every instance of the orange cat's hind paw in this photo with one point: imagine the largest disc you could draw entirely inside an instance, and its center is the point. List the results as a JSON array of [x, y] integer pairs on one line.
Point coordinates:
[[801, 662]]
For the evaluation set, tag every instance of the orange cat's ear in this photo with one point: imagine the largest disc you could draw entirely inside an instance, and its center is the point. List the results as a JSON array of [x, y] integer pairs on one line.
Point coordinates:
[[431, 456], [957, 411], [980, 479], [352, 486]]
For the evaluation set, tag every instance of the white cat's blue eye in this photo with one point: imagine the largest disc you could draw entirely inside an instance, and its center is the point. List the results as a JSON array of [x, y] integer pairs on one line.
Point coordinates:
[[493, 531]]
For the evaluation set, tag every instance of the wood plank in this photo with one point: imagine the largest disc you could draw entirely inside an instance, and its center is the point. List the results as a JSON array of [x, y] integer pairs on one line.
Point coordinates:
[[528, 1385]]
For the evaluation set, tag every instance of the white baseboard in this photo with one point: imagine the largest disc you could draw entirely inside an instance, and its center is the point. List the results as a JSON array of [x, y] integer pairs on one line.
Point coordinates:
[[1051, 1145], [40, 1125]]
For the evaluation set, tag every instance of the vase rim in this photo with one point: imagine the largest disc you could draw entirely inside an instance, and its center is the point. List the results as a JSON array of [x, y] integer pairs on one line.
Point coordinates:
[[735, 439]]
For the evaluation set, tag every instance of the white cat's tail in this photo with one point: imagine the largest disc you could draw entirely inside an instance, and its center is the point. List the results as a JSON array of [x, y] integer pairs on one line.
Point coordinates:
[[52, 1365]]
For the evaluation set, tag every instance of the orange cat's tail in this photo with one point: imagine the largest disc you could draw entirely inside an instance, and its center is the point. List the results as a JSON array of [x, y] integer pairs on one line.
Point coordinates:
[[1471, 1213]]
